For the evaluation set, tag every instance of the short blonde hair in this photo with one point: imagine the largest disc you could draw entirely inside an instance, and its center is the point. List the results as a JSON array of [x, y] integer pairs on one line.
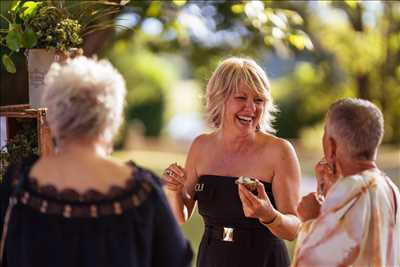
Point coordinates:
[[226, 81], [358, 125], [85, 98]]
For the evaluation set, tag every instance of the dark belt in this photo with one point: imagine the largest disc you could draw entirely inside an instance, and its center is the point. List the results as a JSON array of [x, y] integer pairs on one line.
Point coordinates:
[[230, 235]]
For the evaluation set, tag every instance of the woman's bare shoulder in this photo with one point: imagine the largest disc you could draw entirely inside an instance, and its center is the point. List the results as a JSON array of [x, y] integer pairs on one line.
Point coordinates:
[[277, 145], [200, 147], [204, 138], [202, 141]]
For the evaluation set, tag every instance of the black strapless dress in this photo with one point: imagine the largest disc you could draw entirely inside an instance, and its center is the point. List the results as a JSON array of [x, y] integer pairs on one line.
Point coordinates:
[[230, 239]]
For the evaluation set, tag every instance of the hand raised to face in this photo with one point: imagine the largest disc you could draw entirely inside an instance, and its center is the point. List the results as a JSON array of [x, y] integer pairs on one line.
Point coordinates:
[[326, 176]]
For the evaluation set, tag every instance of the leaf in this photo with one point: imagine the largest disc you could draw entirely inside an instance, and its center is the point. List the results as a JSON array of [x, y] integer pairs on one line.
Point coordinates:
[[300, 40], [14, 40], [14, 27], [268, 40], [29, 38], [351, 3], [297, 41], [237, 8], [29, 9], [179, 2], [8, 63], [154, 9], [293, 17], [14, 6]]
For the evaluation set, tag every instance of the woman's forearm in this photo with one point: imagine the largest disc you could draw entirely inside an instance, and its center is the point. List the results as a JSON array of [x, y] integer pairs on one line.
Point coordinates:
[[177, 205], [181, 204], [285, 226]]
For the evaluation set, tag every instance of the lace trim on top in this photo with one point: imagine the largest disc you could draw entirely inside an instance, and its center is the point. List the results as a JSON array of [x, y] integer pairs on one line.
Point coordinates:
[[71, 204], [90, 195]]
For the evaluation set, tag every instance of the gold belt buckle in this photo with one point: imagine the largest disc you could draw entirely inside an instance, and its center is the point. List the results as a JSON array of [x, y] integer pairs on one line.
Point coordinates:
[[227, 234]]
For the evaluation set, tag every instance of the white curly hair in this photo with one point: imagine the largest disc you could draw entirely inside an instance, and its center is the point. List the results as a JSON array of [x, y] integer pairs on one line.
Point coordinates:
[[85, 98]]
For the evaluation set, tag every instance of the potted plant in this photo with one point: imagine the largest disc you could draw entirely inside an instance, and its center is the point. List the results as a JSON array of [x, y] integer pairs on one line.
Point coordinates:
[[44, 30]]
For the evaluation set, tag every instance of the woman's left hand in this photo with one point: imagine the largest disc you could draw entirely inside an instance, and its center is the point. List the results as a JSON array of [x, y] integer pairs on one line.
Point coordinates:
[[257, 206]]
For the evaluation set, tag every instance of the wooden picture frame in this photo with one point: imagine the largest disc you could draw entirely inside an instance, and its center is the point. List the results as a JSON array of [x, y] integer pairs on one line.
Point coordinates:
[[13, 112]]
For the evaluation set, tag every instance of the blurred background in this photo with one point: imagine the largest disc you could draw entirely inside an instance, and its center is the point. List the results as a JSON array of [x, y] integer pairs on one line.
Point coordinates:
[[314, 52]]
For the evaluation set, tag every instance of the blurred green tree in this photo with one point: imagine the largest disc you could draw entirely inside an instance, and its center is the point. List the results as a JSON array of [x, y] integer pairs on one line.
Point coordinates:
[[345, 57], [148, 79], [356, 54], [372, 58]]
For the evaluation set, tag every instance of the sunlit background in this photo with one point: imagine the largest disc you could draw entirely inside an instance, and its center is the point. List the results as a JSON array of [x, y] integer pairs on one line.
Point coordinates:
[[313, 52]]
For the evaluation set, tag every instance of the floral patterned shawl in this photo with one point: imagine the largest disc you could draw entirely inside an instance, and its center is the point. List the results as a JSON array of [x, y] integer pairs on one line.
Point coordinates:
[[359, 225]]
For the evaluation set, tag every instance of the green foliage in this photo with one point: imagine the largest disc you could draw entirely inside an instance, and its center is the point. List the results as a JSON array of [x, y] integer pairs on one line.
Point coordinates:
[[8, 63], [149, 112], [148, 79], [58, 25], [22, 145], [304, 96], [223, 25], [38, 25], [54, 30], [364, 56]]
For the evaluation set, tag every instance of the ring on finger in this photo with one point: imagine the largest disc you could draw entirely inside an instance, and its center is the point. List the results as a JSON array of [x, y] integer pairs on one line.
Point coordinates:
[[172, 174]]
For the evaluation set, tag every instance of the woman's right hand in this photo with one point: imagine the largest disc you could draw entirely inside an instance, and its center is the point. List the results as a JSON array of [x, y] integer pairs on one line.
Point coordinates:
[[174, 177]]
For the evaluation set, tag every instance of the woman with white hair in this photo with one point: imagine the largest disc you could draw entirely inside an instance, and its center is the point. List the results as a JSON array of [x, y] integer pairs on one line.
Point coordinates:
[[354, 218], [242, 227], [78, 206]]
